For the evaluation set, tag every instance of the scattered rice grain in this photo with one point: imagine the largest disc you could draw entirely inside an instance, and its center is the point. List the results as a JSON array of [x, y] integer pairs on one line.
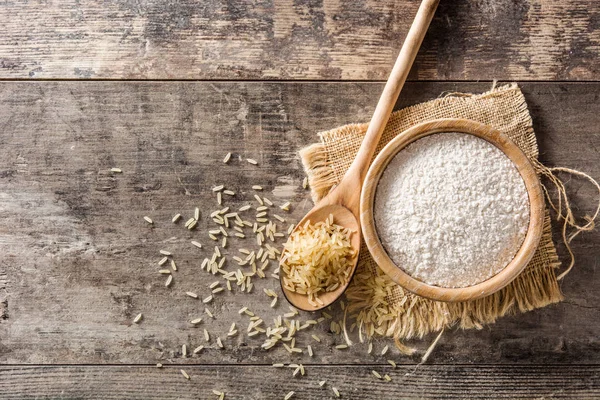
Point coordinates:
[[189, 222], [384, 350]]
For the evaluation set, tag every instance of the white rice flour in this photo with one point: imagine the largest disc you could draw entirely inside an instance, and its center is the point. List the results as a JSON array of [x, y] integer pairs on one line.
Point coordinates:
[[451, 209]]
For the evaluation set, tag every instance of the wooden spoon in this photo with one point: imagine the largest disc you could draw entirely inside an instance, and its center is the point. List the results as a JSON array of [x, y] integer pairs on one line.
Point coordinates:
[[343, 201]]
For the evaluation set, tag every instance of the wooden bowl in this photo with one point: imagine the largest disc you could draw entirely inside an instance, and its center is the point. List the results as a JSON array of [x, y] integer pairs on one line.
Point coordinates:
[[536, 207]]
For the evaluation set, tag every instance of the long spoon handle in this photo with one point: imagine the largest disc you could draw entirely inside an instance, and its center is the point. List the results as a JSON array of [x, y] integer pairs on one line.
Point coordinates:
[[392, 88]]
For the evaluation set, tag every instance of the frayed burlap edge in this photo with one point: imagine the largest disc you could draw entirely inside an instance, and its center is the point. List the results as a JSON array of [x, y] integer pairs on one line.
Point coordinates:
[[378, 305]]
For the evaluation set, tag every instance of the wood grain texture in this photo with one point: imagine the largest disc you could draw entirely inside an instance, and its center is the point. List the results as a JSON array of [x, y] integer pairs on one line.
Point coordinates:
[[240, 382], [79, 262], [284, 39]]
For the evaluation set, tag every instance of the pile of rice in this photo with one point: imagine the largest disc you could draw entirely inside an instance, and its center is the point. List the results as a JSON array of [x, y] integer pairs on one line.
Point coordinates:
[[317, 258]]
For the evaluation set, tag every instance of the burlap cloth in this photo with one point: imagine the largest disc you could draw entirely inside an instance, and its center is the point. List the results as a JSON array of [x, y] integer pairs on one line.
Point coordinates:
[[381, 307]]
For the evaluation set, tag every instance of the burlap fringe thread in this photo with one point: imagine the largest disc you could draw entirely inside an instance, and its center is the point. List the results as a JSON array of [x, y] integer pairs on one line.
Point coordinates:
[[380, 307]]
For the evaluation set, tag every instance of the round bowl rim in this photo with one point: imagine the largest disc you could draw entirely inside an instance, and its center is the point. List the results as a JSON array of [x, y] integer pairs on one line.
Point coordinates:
[[536, 210]]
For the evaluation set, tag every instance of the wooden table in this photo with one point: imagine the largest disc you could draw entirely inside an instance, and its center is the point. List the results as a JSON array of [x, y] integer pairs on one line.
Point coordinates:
[[163, 90]]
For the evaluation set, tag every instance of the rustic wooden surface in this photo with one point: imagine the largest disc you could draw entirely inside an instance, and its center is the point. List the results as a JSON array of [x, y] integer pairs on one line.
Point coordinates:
[[284, 39], [78, 261], [118, 382]]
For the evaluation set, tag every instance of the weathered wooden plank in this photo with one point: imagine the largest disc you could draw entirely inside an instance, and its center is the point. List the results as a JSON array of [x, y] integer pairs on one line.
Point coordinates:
[[248, 382], [79, 262], [281, 39]]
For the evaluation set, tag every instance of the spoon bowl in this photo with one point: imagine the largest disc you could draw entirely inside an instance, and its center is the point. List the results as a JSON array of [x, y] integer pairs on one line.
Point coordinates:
[[341, 216]]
